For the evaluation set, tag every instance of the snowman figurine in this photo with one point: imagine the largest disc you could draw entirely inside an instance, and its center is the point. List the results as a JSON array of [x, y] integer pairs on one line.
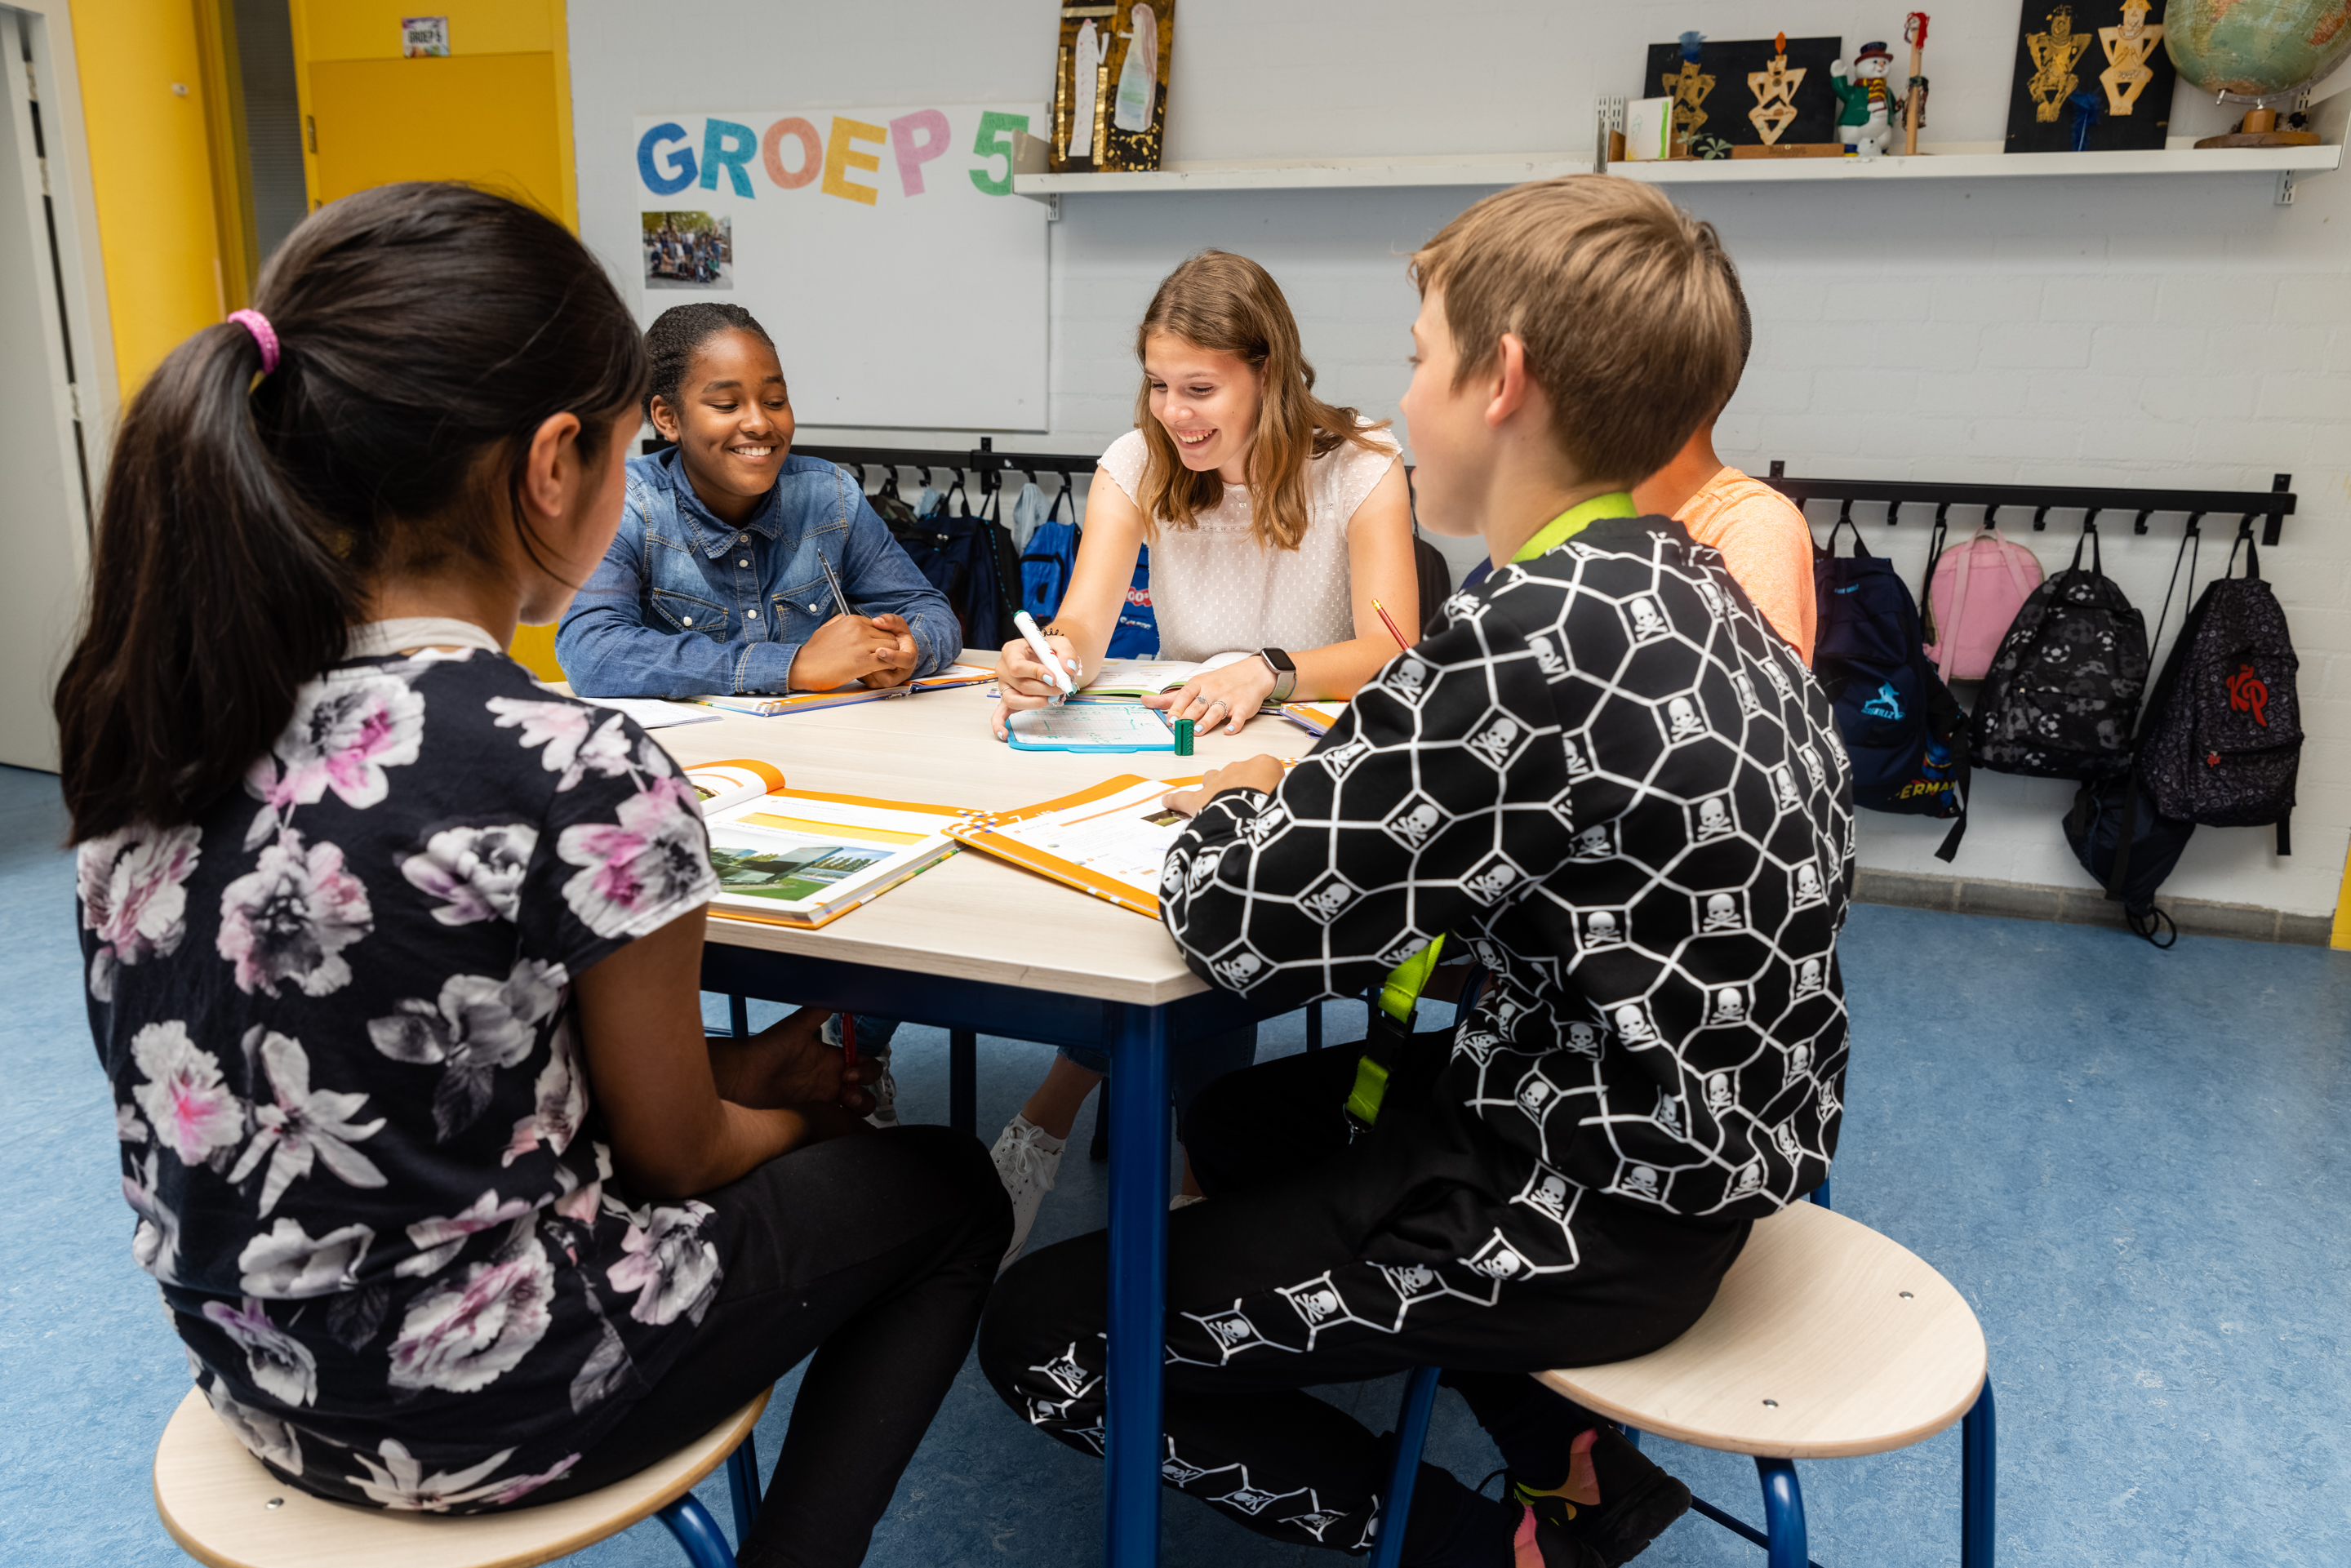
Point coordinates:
[[1865, 103]]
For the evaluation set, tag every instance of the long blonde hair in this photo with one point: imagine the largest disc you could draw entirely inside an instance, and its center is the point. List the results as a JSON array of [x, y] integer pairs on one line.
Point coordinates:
[[1228, 304]]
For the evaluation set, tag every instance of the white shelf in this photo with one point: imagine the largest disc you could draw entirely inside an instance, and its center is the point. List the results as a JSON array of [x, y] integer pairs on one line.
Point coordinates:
[[1990, 165], [1957, 161]]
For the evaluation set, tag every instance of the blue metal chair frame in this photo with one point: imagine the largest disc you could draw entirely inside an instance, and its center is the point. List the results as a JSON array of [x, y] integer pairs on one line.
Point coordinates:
[[1782, 1536], [706, 1546]]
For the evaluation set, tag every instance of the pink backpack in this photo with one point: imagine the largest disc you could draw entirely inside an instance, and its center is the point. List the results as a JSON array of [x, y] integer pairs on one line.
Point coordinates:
[[1974, 594]]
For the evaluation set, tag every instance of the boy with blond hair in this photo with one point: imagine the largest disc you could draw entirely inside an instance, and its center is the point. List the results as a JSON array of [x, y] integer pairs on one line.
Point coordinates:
[[1616, 789]]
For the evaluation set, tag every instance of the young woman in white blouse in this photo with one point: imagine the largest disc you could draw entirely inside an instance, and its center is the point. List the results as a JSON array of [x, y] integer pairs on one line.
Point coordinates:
[[1274, 520]]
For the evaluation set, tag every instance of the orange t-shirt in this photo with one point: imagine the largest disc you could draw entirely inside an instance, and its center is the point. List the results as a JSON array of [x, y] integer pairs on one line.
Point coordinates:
[[1765, 544]]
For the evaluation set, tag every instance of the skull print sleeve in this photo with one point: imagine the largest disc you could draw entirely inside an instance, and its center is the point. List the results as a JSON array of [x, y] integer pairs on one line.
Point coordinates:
[[1439, 797]]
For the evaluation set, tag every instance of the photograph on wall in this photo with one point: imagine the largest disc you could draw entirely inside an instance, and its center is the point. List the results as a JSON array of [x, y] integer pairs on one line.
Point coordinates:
[[1110, 85], [1745, 93], [688, 250], [2092, 76]]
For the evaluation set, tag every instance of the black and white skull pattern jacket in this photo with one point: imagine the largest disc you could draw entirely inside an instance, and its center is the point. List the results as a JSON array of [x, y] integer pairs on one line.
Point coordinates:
[[1612, 783]]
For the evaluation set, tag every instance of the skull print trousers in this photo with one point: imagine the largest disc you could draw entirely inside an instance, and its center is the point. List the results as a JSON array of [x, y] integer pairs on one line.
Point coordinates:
[[1275, 1286]]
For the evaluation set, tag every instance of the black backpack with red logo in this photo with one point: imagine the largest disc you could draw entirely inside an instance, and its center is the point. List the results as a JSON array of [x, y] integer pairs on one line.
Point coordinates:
[[2225, 742]]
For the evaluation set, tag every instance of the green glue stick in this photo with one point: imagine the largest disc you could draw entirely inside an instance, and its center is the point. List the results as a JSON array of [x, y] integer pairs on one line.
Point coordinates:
[[1183, 737]]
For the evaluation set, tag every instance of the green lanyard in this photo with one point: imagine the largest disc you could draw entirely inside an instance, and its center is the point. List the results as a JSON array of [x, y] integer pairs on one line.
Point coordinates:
[[1574, 520], [1400, 992]]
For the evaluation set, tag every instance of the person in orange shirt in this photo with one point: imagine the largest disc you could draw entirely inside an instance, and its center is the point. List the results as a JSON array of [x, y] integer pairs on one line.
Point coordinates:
[[1763, 535]]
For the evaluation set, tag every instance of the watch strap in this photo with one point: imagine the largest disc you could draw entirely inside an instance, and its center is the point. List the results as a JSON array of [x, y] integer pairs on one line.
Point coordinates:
[[1285, 674]]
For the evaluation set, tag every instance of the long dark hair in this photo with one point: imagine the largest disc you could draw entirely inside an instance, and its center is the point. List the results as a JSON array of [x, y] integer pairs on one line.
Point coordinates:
[[426, 330]]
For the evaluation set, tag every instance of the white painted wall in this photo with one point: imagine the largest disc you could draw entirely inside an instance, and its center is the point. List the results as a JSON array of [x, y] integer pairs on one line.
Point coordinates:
[[2178, 330]]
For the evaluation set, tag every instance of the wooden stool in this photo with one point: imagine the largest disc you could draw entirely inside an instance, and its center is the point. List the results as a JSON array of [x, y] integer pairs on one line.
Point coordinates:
[[1826, 1341], [226, 1509]]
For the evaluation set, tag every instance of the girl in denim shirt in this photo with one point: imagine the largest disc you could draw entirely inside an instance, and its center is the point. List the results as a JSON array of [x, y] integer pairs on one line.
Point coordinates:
[[714, 583]]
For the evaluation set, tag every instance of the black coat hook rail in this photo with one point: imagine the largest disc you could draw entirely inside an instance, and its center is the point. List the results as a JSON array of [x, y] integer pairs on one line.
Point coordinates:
[[2272, 504], [984, 460]]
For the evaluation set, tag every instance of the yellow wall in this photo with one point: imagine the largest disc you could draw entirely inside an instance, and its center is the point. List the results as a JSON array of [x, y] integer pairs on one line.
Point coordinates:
[[2343, 909], [497, 111], [152, 173]]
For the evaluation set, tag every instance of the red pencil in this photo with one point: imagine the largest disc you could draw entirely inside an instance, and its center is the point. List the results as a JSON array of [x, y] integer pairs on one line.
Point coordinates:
[[1391, 625]]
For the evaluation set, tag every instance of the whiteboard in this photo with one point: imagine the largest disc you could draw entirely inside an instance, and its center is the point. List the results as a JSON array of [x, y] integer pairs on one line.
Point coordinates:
[[881, 248]]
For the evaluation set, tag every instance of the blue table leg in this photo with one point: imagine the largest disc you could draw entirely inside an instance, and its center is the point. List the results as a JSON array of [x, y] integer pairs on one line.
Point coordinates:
[[739, 1016], [963, 1080], [1979, 1470], [1314, 1026], [743, 1485], [1140, 1145], [1411, 1436], [1820, 1194], [695, 1531], [1784, 1514]]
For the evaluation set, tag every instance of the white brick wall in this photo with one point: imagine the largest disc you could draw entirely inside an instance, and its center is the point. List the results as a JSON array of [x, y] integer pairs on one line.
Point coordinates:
[[2178, 330]]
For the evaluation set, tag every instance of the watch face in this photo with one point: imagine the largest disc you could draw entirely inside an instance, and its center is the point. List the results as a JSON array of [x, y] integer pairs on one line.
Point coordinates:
[[1277, 659]]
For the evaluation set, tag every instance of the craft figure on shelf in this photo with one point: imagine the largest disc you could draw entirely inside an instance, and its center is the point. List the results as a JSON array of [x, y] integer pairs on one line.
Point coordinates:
[[1864, 120], [2128, 47], [1688, 89], [1914, 103], [2054, 54], [1774, 88]]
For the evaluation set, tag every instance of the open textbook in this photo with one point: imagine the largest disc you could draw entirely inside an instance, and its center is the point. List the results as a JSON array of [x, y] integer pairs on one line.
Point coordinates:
[[774, 705], [1315, 718], [797, 857]]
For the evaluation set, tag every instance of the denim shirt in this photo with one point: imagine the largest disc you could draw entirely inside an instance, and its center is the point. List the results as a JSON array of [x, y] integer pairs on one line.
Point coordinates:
[[686, 605]]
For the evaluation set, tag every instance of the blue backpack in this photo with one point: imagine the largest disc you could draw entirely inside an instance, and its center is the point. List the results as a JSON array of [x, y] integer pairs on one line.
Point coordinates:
[[1904, 732], [1047, 562]]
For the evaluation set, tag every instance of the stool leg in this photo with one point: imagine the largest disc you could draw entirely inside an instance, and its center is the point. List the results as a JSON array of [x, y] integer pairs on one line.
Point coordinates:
[[1979, 1472], [743, 1485], [1412, 1435], [739, 1016], [695, 1531], [1820, 1194], [963, 1080], [1314, 1026], [1784, 1514]]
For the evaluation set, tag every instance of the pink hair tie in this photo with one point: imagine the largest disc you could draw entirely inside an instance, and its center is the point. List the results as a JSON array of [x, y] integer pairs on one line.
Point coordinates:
[[255, 322]]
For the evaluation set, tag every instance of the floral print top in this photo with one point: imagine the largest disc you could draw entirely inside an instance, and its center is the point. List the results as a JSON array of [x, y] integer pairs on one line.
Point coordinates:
[[355, 1126]]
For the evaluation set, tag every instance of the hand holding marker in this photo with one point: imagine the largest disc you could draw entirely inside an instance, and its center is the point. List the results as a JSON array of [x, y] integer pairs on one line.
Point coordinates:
[[1045, 655]]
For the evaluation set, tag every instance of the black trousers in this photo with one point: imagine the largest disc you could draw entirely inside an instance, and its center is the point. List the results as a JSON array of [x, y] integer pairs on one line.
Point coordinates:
[[1266, 1297], [874, 1252]]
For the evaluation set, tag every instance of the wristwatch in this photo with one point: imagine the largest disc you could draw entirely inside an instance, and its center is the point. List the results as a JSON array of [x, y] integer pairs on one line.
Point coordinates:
[[1285, 673]]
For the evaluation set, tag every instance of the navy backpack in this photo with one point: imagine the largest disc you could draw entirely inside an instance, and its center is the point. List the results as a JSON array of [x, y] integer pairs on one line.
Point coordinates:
[[1903, 733]]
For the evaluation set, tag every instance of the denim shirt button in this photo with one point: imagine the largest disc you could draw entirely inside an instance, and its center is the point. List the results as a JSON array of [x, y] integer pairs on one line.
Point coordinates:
[[750, 615]]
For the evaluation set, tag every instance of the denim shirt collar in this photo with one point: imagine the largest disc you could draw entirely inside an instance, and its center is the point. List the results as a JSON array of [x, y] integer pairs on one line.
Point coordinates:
[[714, 535]]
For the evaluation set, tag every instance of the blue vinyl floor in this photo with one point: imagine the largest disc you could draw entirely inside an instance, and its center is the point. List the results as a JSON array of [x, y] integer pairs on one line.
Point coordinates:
[[2136, 1166]]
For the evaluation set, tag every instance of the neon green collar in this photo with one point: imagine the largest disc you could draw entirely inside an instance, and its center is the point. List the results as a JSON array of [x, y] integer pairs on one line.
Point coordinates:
[[1574, 520]]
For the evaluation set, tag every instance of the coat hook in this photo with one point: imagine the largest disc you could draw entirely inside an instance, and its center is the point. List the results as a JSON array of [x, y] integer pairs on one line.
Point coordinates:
[[1844, 512], [2193, 519], [2040, 519], [1893, 513], [2140, 527]]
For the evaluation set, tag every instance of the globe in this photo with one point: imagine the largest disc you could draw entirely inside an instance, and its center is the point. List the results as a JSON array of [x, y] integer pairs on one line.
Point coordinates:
[[2256, 49]]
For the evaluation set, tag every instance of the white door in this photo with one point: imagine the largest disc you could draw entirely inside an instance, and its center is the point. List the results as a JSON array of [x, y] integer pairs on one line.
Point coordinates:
[[44, 521]]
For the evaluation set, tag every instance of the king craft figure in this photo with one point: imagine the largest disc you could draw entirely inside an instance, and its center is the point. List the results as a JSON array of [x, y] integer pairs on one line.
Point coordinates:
[[1865, 117]]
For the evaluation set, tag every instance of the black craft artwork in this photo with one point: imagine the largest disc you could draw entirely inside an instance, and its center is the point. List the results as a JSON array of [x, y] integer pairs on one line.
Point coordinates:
[[1724, 109], [2092, 76]]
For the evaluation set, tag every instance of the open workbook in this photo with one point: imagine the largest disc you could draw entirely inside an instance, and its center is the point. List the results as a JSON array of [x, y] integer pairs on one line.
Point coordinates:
[[1108, 841], [775, 705], [797, 857], [1132, 680]]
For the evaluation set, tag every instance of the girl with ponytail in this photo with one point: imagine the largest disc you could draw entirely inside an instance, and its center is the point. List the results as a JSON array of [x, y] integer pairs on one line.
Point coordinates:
[[394, 953]]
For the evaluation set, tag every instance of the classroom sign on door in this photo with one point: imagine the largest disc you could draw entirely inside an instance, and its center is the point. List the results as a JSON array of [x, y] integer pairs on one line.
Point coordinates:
[[883, 248]]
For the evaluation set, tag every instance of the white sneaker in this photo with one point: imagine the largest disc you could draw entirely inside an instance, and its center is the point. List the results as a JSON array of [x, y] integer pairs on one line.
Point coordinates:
[[1185, 1200], [884, 1091], [1026, 1161]]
